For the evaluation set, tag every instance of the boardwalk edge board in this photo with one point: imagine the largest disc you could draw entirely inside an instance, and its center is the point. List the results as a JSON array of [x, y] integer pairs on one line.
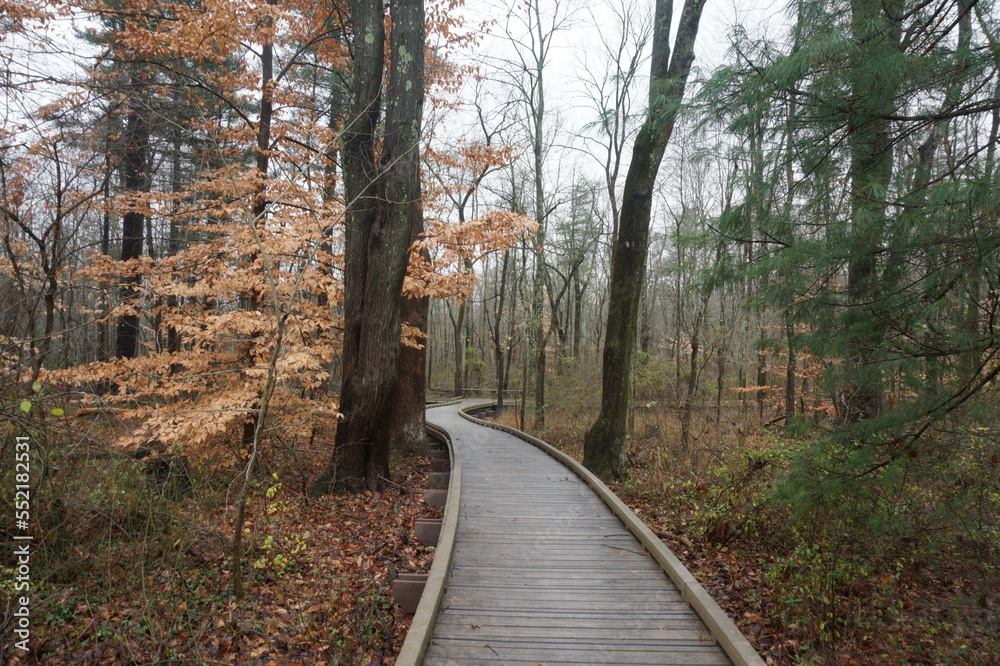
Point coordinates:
[[725, 631], [422, 625]]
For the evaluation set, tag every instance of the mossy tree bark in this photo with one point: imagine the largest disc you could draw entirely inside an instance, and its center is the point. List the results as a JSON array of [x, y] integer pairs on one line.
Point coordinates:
[[382, 198]]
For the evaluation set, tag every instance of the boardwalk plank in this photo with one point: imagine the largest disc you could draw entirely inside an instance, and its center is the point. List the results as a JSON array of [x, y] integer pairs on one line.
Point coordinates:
[[539, 598], [487, 594], [442, 652], [544, 573], [581, 623], [678, 611], [658, 634]]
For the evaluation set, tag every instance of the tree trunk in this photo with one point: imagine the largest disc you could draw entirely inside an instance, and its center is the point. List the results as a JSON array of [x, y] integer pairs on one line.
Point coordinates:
[[382, 200], [538, 333], [579, 287], [876, 29], [761, 371], [691, 391], [470, 312], [409, 409], [498, 341], [103, 327], [458, 331], [646, 324], [720, 367], [136, 181], [604, 447], [259, 209], [174, 241], [789, 371], [50, 264], [330, 160]]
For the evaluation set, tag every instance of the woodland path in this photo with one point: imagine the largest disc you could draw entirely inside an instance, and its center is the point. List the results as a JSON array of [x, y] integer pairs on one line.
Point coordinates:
[[543, 572]]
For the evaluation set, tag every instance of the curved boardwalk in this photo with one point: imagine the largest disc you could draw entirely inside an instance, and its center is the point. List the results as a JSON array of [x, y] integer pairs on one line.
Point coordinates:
[[544, 573]]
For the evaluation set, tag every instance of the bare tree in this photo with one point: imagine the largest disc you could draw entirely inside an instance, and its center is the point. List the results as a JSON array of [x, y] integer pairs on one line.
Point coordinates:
[[532, 32], [604, 448], [609, 88]]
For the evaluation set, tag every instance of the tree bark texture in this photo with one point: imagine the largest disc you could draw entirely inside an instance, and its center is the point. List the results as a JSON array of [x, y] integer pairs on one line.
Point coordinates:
[[604, 446], [136, 181], [409, 408], [381, 199]]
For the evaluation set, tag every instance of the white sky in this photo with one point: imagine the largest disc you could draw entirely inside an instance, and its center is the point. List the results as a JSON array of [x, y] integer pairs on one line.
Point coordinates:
[[574, 48], [568, 108], [577, 47]]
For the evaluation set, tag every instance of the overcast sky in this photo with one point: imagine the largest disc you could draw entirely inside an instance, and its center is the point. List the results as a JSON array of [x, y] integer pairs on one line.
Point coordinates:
[[577, 47]]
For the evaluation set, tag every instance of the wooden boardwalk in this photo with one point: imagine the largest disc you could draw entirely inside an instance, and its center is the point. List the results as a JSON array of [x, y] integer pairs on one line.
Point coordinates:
[[544, 573]]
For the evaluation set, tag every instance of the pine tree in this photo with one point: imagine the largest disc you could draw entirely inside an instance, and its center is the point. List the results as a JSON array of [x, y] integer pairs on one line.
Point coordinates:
[[880, 245]]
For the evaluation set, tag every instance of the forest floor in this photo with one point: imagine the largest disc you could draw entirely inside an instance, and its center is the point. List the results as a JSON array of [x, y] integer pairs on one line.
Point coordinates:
[[800, 590], [123, 576]]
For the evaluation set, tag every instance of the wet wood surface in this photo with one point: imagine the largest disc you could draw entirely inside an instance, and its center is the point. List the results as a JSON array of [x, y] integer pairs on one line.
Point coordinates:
[[544, 573]]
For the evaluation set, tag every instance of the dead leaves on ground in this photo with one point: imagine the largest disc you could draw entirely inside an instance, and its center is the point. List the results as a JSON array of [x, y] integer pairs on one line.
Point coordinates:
[[321, 592]]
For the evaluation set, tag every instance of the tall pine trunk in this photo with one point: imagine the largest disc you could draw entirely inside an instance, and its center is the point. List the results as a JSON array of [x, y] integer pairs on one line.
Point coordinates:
[[875, 28]]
